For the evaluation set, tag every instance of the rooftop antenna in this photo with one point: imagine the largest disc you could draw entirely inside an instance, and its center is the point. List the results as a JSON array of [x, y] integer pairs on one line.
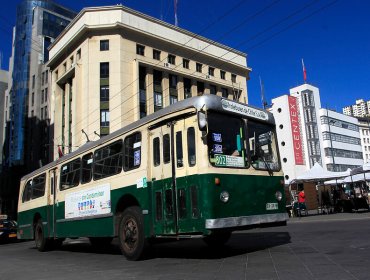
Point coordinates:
[[263, 98], [87, 137]]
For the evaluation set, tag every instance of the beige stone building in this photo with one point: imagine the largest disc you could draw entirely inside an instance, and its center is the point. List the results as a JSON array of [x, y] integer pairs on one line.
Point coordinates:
[[113, 65]]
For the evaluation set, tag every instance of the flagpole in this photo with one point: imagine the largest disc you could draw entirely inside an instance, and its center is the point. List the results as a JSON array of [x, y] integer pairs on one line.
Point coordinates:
[[304, 72]]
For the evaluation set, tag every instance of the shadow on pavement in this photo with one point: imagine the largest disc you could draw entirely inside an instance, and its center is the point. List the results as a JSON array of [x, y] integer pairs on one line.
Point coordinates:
[[239, 244]]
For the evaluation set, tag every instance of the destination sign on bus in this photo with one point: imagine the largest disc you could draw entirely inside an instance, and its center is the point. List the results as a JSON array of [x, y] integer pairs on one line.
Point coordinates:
[[229, 161], [244, 110]]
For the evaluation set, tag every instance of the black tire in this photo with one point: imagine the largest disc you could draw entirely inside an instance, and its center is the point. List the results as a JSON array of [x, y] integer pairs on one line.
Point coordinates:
[[42, 243], [131, 233], [100, 242], [217, 239]]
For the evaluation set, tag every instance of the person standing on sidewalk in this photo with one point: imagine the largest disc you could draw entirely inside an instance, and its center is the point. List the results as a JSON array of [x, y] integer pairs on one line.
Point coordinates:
[[301, 202]]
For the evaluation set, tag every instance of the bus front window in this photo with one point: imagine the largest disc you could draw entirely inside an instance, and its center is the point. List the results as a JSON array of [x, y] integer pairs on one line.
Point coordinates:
[[262, 146], [225, 140]]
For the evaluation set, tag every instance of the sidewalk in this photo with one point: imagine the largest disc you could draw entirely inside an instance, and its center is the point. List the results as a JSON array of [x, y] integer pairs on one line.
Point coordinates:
[[313, 216]]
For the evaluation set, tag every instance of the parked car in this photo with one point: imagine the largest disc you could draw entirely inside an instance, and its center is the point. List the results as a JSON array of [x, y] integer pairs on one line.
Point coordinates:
[[8, 230]]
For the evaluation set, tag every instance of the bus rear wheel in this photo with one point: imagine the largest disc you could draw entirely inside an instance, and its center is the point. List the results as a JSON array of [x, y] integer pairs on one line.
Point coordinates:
[[217, 238], [42, 243], [131, 233]]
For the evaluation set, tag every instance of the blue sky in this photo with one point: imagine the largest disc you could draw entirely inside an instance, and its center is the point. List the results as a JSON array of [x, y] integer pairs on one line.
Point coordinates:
[[332, 36]]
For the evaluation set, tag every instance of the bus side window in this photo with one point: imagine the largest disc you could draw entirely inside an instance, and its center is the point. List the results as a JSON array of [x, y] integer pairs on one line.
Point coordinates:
[[38, 188], [86, 174], [191, 146], [108, 160], [156, 152], [70, 174], [132, 151], [27, 192], [166, 148], [179, 153], [34, 188]]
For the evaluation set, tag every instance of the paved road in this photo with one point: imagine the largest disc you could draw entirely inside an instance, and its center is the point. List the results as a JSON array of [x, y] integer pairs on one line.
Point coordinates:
[[315, 247]]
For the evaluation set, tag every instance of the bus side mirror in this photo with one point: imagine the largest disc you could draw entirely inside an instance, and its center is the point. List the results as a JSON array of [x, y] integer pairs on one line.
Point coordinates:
[[202, 121]]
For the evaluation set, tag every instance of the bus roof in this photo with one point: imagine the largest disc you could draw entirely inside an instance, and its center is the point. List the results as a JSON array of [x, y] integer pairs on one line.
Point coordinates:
[[205, 102]]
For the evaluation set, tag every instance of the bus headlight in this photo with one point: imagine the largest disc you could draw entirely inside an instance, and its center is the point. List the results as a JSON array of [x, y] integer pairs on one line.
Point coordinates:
[[224, 196], [278, 195]]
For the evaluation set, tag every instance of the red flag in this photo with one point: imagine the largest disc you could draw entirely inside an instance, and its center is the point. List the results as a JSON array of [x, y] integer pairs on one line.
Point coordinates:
[[60, 153], [304, 72]]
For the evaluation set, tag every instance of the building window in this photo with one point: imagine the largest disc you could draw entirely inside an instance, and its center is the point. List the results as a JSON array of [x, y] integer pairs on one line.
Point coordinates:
[[213, 89], [104, 70], [104, 118], [33, 81], [198, 67], [104, 93], [142, 90], [157, 83], [171, 59], [78, 54], [46, 94], [65, 67], [211, 71], [173, 89], [33, 99], [46, 76], [200, 87], [104, 45], [42, 78], [233, 78], [222, 74], [187, 88], [42, 96], [185, 63], [156, 54], [225, 92], [46, 112], [140, 49]]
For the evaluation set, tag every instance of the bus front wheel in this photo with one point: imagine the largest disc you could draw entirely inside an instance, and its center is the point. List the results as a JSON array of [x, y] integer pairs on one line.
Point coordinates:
[[131, 233], [42, 243]]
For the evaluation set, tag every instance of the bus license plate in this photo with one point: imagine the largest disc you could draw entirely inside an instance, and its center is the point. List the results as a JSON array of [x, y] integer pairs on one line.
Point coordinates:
[[271, 206]]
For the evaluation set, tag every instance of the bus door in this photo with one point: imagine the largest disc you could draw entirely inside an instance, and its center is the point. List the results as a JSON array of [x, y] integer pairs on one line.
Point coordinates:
[[51, 202], [184, 157], [163, 180]]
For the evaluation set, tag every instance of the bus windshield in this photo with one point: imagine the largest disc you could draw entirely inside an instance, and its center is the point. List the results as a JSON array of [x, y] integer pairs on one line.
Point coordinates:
[[262, 146], [226, 135]]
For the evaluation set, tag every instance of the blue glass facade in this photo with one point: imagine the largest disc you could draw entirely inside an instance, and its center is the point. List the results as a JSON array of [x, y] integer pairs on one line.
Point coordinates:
[[52, 26]]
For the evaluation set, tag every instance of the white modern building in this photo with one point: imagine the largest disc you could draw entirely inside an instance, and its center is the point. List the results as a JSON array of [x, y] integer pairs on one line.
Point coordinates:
[[364, 124], [341, 141], [308, 134]]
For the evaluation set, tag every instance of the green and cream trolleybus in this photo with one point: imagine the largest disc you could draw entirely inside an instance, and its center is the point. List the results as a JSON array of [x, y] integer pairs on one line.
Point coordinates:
[[202, 167]]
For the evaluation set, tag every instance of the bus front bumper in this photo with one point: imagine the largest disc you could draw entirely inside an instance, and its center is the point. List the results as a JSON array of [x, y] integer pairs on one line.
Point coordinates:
[[253, 221]]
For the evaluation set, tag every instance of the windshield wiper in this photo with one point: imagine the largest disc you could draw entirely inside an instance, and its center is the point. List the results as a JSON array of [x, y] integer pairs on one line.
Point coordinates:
[[269, 170]]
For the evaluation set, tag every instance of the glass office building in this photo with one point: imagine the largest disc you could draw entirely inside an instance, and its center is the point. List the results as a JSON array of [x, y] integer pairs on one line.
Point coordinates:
[[37, 24]]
